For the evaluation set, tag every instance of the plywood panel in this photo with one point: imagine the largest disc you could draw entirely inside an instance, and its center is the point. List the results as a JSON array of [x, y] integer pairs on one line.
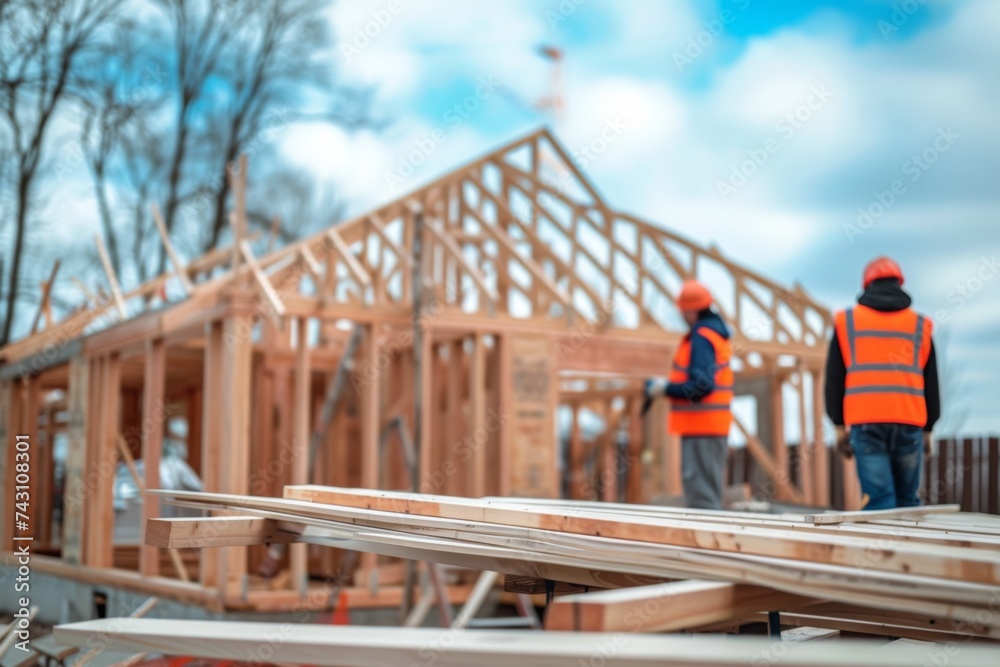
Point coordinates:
[[531, 418]]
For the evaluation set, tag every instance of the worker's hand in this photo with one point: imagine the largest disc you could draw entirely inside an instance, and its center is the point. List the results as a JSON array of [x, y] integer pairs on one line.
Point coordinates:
[[928, 444], [844, 443], [656, 387]]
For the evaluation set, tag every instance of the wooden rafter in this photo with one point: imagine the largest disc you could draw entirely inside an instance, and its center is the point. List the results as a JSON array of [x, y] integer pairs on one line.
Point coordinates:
[[277, 307], [43, 304], [109, 271], [171, 253]]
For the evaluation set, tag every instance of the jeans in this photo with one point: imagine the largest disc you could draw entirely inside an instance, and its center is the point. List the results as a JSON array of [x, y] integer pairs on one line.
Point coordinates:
[[703, 464], [889, 458]]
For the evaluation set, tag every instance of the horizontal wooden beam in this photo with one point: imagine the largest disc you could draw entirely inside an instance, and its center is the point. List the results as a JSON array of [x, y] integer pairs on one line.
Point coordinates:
[[665, 607], [220, 531]]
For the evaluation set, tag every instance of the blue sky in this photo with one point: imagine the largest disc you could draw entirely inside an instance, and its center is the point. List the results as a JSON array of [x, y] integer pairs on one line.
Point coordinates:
[[854, 98]]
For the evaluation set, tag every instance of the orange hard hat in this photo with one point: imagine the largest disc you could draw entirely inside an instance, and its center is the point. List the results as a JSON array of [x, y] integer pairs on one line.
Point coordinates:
[[882, 267], [694, 296]]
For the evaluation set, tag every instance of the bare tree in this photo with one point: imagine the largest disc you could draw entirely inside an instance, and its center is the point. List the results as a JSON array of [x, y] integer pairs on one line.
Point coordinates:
[[280, 58], [42, 41], [201, 31], [125, 91]]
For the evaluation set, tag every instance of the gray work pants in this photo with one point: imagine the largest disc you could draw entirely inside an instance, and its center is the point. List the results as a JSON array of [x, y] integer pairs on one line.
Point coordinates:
[[703, 464]]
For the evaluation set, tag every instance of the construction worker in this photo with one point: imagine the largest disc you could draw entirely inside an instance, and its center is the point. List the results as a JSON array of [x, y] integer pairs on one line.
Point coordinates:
[[882, 388], [700, 389]]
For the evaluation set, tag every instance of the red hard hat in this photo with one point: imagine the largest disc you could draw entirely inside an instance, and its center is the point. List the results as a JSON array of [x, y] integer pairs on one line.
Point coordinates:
[[694, 296], [882, 267]]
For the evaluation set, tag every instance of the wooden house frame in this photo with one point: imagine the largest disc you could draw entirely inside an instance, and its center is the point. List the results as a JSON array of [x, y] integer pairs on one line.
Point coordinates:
[[532, 297]]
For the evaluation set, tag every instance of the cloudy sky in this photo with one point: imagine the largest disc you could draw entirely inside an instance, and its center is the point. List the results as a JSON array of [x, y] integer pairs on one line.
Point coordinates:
[[872, 127]]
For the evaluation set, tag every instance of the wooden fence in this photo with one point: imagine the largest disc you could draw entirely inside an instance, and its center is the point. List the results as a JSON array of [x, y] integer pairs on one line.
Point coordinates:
[[965, 471]]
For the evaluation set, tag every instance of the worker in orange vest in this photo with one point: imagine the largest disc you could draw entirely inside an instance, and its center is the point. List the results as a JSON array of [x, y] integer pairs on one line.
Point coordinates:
[[882, 388], [700, 389]]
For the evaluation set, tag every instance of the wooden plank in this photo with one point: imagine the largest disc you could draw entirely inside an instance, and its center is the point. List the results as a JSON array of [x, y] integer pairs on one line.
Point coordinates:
[[219, 531], [211, 433], [109, 271], [350, 259], [99, 499], [831, 518], [234, 439], [455, 251], [515, 583], [238, 183], [355, 645], [819, 548], [477, 409], [169, 247], [968, 485], [665, 607], [311, 263], [401, 252], [153, 416], [297, 555], [420, 537], [44, 301], [277, 310], [76, 456], [994, 476]]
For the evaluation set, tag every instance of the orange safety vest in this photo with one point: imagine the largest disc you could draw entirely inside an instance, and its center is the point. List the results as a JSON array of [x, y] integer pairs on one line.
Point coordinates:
[[711, 415], [885, 355]]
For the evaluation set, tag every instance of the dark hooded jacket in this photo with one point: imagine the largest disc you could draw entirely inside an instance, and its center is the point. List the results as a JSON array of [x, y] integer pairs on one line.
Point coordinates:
[[888, 297], [703, 366]]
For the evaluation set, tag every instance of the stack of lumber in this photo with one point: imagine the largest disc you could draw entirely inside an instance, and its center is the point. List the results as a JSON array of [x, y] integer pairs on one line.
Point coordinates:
[[932, 563]]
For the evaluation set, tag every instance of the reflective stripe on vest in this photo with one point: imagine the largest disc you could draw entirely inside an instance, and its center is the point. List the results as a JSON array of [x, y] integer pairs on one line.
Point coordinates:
[[712, 415], [885, 384]]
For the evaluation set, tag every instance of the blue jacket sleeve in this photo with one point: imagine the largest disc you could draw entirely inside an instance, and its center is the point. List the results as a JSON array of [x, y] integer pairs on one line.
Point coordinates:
[[701, 372]]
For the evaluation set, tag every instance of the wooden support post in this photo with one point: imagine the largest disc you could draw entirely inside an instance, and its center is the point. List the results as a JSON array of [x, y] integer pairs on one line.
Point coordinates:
[[238, 184], [212, 460], [577, 472], [477, 412], [672, 451], [821, 471], [780, 446], [505, 392], [368, 379], [634, 490], [76, 457], [807, 446], [423, 359], [234, 439], [454, 428], [8, 430], [298, 561], [99, 499], [153, 416]]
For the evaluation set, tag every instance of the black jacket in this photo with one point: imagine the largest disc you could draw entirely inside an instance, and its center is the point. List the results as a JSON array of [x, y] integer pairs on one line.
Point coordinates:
[[886, 296]]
